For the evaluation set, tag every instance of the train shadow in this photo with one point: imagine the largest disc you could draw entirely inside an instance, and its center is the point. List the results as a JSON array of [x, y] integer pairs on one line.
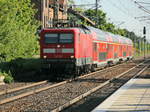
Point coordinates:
[[30, 70]]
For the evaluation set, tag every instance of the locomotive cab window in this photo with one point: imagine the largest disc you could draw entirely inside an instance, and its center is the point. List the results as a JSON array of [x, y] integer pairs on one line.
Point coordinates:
[[51, 38], [66, 38]]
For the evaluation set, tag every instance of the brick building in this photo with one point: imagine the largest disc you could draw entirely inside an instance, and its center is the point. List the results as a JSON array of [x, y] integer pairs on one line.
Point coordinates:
[[46, 11]]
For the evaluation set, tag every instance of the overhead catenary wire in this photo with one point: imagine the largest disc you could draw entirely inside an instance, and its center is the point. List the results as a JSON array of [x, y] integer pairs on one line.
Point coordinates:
[[144, 3], [142, 7], [123, 6], [130, 11], [124, 11]]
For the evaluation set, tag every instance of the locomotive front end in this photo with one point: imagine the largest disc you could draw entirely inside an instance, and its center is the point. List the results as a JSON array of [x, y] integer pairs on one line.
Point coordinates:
[[58, 50]]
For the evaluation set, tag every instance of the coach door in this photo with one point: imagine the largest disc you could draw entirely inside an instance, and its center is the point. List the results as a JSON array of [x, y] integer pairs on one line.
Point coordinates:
[[95, 51], [110, 51]]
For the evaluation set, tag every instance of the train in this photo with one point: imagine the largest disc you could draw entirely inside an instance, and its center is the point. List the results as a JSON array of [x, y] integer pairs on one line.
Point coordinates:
[[82, 49]]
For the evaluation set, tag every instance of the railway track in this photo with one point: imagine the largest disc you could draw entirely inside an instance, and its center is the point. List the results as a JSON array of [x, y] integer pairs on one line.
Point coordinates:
[[49, 86], [106, 89], [33, 88]]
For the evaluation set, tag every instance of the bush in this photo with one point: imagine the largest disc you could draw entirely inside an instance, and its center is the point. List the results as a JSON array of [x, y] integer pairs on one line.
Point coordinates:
[[25, 65], [20, 68], [8, 77]]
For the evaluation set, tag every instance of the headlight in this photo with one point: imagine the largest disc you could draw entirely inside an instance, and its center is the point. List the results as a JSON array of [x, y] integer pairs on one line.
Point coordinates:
[[44, 56], [71, 56]]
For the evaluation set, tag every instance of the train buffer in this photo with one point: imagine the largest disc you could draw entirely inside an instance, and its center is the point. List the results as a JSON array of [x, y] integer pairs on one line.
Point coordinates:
[[133, 96]]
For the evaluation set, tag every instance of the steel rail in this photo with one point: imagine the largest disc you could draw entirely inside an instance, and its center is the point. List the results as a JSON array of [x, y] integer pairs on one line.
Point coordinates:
[[21, 88], [10, 99], [60, 108]]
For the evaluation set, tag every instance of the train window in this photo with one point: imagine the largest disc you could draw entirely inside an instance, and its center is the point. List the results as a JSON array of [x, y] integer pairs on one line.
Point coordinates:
[[115, 55], [51, 38], [124, 53], [66, 38], [102, 56]]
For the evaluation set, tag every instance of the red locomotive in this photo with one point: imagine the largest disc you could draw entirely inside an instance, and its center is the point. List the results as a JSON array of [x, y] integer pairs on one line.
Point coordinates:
[[82, 49]]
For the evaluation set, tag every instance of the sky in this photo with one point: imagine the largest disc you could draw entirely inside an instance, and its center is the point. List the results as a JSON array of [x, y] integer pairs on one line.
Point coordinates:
[[124, 14]]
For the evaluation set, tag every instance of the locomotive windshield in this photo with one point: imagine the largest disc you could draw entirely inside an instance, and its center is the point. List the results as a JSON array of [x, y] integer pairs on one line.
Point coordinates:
[[52, 38]]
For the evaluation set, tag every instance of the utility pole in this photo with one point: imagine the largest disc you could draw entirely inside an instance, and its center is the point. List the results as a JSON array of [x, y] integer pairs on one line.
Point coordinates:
[[96, 11]]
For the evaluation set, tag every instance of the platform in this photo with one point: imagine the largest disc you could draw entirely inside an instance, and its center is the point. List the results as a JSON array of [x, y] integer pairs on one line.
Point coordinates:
[[134, 96]]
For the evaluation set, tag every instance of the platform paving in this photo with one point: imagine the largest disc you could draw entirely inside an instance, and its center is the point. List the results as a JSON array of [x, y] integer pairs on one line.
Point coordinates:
[[134, 96]]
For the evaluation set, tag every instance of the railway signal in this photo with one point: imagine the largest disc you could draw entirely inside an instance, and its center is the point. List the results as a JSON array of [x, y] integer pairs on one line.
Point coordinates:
[[144, 38]]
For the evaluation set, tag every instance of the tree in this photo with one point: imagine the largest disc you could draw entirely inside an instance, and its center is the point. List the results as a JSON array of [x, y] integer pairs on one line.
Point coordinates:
[[101, 17], [102, 22], [71, 2], [17, 29]]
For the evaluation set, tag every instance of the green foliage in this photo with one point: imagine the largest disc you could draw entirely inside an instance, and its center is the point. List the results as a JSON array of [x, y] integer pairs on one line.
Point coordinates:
[[21, 65], [21, 68], [101, 17], [131, 35], [102, 22], [17, 29], [8, 77]]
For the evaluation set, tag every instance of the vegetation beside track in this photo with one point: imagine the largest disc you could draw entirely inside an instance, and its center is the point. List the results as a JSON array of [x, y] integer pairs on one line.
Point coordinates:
[[22, 69], [18, 30], [18, 37], [7, 77]]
